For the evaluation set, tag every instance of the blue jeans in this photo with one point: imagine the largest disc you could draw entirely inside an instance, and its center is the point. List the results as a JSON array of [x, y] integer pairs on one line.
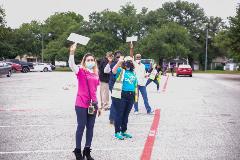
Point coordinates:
[[143, 91], [122, 111], [84, 120]]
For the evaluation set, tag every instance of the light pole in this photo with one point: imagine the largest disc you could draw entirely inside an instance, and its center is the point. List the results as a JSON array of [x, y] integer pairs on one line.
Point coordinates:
[[42, 47], [206, 49]]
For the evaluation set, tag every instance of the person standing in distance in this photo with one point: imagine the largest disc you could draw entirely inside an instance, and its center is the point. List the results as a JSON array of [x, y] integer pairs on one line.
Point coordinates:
[[88, 87], [124, 74], [141, 78], [108, 69], [104, 80]]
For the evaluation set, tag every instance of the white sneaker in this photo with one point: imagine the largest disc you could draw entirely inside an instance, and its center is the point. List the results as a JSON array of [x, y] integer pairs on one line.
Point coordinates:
[[151, 113], [136, 112]]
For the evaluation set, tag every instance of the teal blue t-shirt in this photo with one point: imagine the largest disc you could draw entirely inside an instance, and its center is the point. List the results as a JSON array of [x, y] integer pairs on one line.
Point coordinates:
[[129, 80]]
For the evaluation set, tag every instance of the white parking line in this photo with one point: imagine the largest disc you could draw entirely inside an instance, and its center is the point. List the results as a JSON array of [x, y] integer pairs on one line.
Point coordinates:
[[68, 150]]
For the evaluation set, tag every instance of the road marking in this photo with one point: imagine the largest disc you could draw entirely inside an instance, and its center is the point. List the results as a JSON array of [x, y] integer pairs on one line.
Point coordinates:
[[57, 125], [69, 150], [165, 84], [147, 151], [36, 125], [15, 110]]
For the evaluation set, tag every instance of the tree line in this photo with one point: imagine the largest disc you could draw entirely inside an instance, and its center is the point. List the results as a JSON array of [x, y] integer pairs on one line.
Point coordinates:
[[177, 29]]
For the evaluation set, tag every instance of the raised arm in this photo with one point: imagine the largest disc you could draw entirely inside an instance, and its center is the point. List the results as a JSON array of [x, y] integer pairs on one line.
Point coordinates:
[[131, 50], [119, 63], [71, 60]]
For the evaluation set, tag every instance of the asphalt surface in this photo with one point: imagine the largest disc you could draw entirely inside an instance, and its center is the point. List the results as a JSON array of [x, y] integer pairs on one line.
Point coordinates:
[[199, 120]]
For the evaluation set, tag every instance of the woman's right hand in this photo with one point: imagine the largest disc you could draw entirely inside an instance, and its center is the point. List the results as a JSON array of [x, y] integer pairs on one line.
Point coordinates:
[[121, 60], [73, 48]]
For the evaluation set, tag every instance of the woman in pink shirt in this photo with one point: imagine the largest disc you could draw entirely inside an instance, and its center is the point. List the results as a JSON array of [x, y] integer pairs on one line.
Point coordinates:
[[86, 105]]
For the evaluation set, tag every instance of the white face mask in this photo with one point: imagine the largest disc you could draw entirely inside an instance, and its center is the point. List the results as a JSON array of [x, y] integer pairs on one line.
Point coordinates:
[[138, 61], [90, 65]]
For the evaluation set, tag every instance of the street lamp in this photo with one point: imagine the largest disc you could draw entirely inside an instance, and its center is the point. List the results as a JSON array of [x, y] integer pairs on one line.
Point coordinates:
[[42, 47]]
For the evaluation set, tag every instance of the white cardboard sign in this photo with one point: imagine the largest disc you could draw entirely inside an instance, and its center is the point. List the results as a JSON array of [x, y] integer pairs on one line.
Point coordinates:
[[76, 38], [131, 39]]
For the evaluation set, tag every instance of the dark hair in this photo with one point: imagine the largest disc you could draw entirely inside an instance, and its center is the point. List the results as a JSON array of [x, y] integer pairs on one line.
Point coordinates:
[[117, 52]]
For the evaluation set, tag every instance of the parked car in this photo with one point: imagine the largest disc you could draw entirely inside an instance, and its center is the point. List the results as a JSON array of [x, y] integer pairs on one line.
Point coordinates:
[[42, 67], [184, 70], [26, 66], [15, 67], [147, 63], [5, 69], [52, 66]]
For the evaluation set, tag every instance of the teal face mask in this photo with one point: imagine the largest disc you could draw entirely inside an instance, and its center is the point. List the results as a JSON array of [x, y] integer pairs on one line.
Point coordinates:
[[90, 65]]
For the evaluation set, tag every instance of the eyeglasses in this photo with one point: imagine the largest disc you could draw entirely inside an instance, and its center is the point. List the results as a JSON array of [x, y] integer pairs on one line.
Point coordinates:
[[118, 57], [89, 60], [138, 57]]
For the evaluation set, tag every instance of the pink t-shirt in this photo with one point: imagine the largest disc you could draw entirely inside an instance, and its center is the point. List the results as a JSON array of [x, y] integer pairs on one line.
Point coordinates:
[[83, 98]]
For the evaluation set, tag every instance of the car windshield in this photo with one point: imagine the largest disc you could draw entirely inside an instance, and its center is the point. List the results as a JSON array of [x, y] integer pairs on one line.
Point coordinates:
[[146, 61], [184, 66]]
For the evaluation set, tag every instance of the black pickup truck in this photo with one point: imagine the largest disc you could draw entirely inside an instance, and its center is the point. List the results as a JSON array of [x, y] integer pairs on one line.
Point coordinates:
[[26, 66]]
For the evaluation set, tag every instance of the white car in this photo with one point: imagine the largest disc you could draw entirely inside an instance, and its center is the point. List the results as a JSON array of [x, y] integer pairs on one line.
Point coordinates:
[[42, 67]]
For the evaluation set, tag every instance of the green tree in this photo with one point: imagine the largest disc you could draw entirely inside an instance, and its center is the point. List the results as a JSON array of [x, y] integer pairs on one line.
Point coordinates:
[[189, 15], [170, 41], [7, 47], [100, 43], [234, 33], [28, 38], [2, 16], [56, 30]]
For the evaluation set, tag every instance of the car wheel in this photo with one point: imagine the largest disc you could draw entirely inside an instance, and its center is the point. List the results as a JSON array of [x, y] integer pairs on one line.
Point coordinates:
[[45, 69], [177, 75], [190, 75], [25, 70], [9, 73]]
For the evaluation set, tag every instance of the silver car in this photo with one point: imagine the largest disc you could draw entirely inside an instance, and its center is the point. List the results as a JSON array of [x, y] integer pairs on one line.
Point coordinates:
[[5, 69]]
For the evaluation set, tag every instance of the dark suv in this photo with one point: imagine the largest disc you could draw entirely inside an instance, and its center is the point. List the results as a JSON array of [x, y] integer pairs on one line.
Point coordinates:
[[26, 66]]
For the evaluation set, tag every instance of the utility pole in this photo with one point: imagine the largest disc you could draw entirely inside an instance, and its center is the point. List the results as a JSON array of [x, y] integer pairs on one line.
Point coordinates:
[[42, 47], [206, 49]]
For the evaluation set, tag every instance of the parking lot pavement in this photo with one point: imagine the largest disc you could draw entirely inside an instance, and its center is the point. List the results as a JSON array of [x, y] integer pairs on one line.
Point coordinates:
[[199, 119]]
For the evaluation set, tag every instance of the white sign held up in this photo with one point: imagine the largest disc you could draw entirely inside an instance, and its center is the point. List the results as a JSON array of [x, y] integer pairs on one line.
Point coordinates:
[[76, 38], [131, 39]]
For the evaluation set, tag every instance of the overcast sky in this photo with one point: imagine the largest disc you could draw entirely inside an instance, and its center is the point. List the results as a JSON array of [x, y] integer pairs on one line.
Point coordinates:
[[24, 11]]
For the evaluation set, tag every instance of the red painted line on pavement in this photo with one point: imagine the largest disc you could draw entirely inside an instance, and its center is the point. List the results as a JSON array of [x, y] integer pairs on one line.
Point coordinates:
[[147, 151], [165, 84], [16, 110]]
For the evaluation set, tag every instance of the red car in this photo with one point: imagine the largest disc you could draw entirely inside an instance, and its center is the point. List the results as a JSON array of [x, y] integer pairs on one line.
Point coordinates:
[[15, 67], [184, 70]]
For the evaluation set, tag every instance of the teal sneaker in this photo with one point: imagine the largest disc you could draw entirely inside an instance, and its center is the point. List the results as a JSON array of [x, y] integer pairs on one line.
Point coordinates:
[[119, 136], [126, 135]]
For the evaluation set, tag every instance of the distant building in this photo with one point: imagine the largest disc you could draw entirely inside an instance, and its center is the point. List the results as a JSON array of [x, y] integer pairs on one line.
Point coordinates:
[[218, 63], [27, 58]]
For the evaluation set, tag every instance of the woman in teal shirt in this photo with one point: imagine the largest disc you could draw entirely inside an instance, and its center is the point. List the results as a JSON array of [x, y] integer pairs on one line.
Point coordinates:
[[124, 70]]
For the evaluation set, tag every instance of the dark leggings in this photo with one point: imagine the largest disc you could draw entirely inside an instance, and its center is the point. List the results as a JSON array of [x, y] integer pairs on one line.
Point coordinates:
[[155, 81], [123, 107], [84, 119]]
